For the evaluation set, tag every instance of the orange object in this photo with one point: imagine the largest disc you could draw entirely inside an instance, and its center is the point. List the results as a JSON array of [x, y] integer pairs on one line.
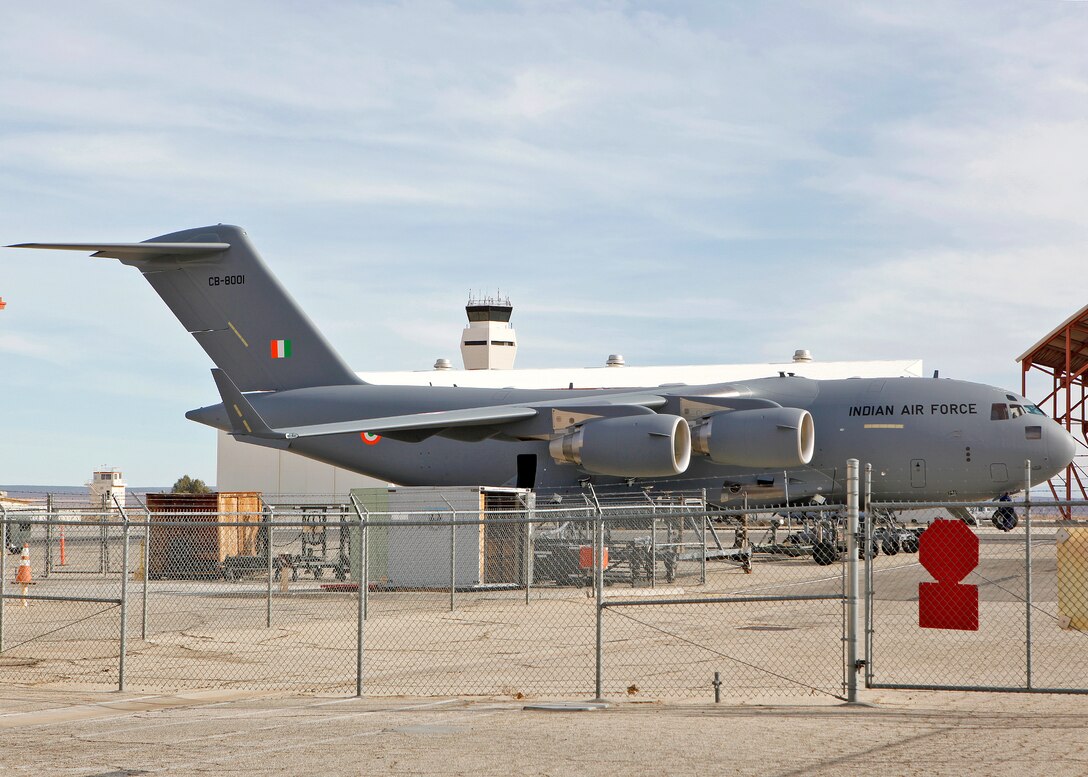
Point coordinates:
[[22, 574], [2, 303], [585, 556], [63, 558]]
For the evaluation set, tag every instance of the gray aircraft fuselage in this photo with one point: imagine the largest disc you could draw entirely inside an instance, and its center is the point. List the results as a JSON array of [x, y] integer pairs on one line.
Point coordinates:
[[925, 439]]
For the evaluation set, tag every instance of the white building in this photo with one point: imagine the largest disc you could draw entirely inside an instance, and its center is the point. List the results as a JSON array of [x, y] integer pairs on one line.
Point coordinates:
[[106, 485], [489, 342]]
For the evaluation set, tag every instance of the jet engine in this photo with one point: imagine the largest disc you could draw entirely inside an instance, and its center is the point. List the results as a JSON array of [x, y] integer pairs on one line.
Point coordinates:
[[778, 437], [628, 446]]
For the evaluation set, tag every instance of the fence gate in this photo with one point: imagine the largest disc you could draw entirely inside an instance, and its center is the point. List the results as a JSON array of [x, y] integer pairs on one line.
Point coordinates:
[[981, 607], [763, 618]]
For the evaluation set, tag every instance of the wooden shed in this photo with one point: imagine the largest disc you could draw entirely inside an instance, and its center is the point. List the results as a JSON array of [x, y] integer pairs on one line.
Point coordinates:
[[190, 536]]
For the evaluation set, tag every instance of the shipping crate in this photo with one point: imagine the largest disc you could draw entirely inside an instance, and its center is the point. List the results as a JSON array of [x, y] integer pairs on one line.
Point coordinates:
[[187, 540]]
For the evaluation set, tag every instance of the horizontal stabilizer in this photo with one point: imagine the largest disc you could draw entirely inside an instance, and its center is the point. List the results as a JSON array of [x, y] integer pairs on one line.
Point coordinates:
[[135, 250], [245, 421]]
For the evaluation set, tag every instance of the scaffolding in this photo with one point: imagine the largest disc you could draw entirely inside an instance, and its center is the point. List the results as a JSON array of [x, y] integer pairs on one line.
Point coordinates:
[[1056, 367]]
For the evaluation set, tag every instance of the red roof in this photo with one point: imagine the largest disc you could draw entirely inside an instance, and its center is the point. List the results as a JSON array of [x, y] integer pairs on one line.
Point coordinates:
[[1050, 351]]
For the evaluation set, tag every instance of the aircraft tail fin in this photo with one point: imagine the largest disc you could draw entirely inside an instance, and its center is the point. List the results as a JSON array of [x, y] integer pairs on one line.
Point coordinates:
[[223, 294]]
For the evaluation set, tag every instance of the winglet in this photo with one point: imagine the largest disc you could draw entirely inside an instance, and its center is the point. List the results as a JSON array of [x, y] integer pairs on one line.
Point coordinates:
[[245, 421]]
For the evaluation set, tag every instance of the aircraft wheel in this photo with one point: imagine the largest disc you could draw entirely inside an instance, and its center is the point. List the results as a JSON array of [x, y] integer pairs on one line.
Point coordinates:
[[1005, 519], [890, 546], [910, 544], [824, 553]]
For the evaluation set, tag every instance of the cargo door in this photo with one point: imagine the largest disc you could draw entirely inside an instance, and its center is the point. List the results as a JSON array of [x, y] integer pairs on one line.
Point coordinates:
[[526, 470]]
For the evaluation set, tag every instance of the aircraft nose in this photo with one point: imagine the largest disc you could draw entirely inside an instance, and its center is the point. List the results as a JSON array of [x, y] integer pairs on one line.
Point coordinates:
[[1062, 447]]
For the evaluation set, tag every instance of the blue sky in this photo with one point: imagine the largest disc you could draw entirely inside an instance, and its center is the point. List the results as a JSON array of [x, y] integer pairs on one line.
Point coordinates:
[[678, 182]]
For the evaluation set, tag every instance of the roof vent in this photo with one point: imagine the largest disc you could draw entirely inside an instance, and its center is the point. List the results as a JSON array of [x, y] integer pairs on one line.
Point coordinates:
[[802, 355], [443, 364], [615, 360]]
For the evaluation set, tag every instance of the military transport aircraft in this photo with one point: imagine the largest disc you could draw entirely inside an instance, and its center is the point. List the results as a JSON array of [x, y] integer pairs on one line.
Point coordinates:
[[766, 440]]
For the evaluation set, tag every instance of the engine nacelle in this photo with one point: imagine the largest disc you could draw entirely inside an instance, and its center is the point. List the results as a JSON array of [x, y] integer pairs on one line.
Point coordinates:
[[628, 446], [778, 437]]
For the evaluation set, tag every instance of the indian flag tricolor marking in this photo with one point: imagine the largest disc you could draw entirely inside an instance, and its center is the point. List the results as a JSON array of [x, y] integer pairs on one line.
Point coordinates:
[[281, 349], [370, 439]]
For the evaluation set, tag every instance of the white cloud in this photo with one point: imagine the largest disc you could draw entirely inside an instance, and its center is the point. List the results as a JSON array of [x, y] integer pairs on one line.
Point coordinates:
[[21, 345], [1017, 178], [969, 314]]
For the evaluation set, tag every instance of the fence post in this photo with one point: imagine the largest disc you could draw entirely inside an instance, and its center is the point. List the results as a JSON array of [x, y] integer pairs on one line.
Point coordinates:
[[653, 551], [147, 576], [868, 573], [364, 552], [366, 564], [527, 562], [48, 547], [124, 594], [104, 536], [49, 516], [268, 565], [702, 553], [3, 569], [1027, 567], [852, 581], [363, 579], [598, 579], [453, 560]]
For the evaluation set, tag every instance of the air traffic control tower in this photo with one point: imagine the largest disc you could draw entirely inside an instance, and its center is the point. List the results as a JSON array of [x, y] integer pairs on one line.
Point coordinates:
[[489, 342]]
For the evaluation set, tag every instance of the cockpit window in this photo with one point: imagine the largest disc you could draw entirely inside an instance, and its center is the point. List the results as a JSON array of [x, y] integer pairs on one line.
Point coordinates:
[[999, 411]]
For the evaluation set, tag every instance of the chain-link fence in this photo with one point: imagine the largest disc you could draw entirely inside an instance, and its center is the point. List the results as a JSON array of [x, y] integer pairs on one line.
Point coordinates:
[[496, 595], [995, 600], [766, 618], [501, 593]]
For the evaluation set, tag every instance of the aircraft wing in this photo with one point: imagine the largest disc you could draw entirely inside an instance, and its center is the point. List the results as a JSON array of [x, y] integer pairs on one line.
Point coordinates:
[[528, 420], [246, 421], [443, 419], [487, 416]]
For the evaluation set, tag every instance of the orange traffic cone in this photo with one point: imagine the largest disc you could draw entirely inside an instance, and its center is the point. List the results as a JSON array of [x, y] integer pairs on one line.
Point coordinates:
[[22, 574]]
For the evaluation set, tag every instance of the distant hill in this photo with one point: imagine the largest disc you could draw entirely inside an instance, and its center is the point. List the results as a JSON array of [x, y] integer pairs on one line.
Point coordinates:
[[37, 492]]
